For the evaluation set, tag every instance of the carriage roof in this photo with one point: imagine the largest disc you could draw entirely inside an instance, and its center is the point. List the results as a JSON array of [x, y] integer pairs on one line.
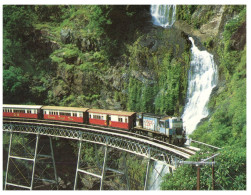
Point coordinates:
[[111, 112], [22, 106], [64, 108]]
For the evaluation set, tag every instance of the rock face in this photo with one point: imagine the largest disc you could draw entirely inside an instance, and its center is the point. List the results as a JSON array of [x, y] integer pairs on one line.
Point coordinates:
[[209, 30], [239, 37], [66, 36], [84, 73], [212, 28]]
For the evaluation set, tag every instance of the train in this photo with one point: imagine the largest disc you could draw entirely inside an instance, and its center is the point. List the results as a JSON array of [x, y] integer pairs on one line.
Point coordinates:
[[167, 128]]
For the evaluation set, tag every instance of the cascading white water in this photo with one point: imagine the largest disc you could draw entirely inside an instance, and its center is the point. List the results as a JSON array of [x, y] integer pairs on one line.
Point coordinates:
[[163, 15], [202, 78], [159, 170]]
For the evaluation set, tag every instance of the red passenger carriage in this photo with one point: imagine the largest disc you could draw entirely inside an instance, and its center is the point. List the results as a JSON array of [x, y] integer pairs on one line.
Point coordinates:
[[22, 111], [112, 118], [71, 114]]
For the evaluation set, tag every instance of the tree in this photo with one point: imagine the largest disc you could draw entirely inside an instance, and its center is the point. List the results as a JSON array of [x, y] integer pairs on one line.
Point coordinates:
[[15, 85]]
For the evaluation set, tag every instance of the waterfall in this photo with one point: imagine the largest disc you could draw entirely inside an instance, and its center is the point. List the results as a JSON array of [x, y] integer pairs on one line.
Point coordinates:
[[202, 78], [163, 15], [159, 170]]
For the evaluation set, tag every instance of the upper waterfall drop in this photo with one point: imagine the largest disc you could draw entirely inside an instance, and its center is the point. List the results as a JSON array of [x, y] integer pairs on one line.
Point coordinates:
[[163, 15], [202, 78]]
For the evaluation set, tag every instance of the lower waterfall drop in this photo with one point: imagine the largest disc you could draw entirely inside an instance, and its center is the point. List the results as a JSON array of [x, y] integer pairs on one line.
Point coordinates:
[[159, 170], [202, 78]]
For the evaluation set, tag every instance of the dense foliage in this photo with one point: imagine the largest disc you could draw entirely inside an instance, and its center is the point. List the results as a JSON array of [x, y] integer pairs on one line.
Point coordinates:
[[107, 56], [67, 49], [229, 174], [227, 125]]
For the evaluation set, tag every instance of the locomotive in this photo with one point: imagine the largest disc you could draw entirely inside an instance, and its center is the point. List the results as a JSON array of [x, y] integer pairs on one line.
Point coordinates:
[[166, 128]]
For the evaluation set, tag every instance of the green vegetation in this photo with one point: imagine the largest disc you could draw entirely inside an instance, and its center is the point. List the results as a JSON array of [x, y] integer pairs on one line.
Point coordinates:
[[202, 15], [227, 125], [106, 56], [230, 172], [161, 89]]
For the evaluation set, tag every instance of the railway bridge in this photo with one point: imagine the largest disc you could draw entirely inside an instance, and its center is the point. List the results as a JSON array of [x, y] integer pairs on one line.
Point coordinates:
[[23, 166]]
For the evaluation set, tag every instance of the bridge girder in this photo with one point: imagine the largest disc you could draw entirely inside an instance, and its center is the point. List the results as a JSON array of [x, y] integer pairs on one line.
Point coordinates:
[[140, 147]]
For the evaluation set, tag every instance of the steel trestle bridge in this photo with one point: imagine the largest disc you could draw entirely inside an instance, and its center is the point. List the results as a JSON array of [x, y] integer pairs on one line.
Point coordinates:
[[168, 155]]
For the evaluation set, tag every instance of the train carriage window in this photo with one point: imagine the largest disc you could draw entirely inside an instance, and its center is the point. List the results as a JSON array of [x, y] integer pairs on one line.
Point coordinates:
[[19, 111], [97, 116], [120, 119], [64, 113], [90, 116], [55, 113], [126, 120], [162, 124], [167, 124], [74, 114]]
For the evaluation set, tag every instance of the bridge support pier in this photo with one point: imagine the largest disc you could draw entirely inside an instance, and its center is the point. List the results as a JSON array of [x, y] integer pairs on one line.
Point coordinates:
[[26, 161], [78, 169], [102, 167], [147, 169]]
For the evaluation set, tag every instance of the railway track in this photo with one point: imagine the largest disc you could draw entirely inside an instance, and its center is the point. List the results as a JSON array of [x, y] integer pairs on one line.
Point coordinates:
[[185, 149]]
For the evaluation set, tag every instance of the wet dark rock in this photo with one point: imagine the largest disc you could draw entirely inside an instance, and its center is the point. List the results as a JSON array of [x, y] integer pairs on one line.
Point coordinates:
[[239, 38], [67, 36]]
